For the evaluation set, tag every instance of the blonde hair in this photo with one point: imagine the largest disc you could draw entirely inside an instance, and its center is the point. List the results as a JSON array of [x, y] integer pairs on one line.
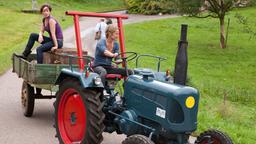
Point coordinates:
[[110, 30]]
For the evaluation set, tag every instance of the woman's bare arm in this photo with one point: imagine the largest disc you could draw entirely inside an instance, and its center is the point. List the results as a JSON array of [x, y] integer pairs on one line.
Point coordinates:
[[41, 33], [52, 23], [110, 54]]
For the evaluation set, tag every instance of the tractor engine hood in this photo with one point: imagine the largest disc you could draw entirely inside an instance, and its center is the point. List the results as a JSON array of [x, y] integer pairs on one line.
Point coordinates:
[[174, 107]]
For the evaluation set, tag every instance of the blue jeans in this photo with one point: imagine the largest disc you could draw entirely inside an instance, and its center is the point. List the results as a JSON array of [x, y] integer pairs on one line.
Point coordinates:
[[47, 44]]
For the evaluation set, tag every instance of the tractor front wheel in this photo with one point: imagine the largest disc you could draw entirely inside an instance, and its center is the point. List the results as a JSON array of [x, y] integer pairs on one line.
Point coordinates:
[[137, 139], [27, 99], [213, 137], [78, 114]]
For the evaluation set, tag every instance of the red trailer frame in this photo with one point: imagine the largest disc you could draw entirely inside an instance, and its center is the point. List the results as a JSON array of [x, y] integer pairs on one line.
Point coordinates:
[[76, 16]]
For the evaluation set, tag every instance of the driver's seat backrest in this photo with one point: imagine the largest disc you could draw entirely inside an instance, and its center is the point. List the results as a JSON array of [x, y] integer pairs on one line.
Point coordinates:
[[113, 76]]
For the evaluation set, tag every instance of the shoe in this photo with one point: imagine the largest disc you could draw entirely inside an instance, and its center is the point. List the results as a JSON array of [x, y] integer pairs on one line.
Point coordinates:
[[21, 56]]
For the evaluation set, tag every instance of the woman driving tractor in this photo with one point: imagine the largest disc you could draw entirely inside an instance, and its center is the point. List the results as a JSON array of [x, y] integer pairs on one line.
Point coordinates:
[[106, 50]]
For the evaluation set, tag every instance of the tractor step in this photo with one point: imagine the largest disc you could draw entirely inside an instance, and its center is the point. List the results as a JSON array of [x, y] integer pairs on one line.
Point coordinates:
[[44, 96]]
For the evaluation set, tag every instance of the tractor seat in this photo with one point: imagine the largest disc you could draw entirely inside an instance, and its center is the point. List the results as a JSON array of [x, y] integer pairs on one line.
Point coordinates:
[[114, 76]]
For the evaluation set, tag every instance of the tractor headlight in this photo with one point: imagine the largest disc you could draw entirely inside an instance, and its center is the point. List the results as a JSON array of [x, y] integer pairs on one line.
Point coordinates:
[[190, 102], [97, 80]]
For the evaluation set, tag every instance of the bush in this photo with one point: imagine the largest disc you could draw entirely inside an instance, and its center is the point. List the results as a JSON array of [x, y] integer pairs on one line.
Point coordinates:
[[252, 3], [245, 3], [150, 7]]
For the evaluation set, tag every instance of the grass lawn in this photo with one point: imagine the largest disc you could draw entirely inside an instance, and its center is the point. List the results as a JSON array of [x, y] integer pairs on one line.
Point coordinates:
[[214, 71], [16, 26]]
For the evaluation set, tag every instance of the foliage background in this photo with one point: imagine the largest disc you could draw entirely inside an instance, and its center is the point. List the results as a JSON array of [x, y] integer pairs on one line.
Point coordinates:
[[150, 7]]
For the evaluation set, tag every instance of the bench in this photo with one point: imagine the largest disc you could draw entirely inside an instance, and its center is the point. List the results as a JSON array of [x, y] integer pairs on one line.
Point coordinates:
[[62, 56]]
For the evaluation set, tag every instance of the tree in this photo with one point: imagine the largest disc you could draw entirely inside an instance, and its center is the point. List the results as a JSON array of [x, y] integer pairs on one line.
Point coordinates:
[[34, 4], [213, 8]]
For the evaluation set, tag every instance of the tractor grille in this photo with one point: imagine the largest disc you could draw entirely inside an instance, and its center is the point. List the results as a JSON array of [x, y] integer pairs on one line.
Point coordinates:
[[176, 115]]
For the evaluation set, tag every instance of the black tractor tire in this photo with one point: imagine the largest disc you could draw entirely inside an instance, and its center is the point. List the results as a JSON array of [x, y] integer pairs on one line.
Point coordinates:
[[213, 137], [137, 139], [27, 99], [78, 114]]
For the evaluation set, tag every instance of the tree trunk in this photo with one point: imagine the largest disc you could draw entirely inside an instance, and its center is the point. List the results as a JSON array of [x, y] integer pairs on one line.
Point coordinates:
[[222, 32], [33, 4]]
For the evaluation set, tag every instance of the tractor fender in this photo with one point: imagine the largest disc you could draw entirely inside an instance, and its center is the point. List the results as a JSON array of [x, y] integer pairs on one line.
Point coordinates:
[[86, 82]]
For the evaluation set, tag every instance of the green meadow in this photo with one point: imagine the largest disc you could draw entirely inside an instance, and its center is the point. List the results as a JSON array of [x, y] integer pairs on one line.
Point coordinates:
[[218, 73]]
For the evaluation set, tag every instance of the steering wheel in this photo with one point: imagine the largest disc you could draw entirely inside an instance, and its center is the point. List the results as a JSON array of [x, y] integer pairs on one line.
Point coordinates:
[[128, 56]]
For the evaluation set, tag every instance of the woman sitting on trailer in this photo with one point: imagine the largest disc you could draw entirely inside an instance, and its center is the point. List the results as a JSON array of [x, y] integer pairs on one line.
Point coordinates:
[[53, 42]]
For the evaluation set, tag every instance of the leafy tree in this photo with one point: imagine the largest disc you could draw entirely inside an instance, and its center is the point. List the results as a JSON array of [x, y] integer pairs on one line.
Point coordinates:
[[213, 8]]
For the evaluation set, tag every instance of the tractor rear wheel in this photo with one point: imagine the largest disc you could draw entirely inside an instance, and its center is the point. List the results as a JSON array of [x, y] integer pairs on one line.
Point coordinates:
[[27, 99], [78, 114], [213, 137], [137, 139]]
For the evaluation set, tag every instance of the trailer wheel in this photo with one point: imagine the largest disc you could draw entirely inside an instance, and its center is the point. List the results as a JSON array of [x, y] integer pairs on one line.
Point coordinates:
[[137, 139], [213, 137], [78, 114], [27, 99]]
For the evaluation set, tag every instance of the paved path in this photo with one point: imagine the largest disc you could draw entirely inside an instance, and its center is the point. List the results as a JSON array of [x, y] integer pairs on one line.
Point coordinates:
[[17, 129]]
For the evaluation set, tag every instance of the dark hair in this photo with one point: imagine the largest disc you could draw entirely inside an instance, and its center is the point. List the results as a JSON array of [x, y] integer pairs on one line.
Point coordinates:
[[108, 21], [45, 5]]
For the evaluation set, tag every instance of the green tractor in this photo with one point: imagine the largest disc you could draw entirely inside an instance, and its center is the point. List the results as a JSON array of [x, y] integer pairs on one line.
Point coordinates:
[[154, 107]]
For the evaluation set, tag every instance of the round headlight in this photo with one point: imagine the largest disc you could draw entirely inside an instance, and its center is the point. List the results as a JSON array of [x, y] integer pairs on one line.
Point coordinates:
[[190, 102], [97, 80]]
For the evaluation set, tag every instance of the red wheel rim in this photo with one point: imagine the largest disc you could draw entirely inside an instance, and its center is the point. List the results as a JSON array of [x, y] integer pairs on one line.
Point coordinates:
[[71, 117]]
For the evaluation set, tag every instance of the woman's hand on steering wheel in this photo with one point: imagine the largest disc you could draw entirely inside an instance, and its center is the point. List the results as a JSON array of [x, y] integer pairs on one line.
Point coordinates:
[[119, 61], [124, 57]]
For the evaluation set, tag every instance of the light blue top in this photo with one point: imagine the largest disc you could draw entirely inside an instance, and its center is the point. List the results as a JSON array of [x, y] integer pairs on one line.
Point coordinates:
[[100, 58]]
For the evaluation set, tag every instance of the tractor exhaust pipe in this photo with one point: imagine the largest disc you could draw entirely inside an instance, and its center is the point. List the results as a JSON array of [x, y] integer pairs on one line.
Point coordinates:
[[181, 62]]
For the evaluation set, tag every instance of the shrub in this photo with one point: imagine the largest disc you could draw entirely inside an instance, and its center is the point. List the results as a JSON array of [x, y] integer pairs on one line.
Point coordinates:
[[252, 3], [150, 7], [245, 3]]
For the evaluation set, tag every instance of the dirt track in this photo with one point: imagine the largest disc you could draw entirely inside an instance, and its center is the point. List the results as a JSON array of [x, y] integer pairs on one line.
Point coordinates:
[[17, 129]]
